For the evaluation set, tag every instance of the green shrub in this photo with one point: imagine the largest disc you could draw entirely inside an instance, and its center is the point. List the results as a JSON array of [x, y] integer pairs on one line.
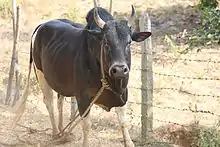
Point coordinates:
[[210, 4], [209, 138], [209, 30], [5, 8]]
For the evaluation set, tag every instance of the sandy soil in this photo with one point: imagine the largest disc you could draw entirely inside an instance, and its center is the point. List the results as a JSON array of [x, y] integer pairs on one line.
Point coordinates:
[[168, 18]]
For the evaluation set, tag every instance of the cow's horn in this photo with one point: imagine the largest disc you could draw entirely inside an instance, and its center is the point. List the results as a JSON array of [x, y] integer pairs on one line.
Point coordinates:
[[98, 20], [132, 17]]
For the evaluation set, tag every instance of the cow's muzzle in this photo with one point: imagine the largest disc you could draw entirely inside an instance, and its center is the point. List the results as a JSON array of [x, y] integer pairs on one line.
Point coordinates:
[[119, 71]]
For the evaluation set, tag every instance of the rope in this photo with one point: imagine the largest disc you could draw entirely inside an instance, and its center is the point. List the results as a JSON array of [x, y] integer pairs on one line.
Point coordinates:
[[103, 87]]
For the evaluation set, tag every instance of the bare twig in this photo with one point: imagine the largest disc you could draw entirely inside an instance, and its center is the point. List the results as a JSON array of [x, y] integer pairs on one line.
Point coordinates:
[[15, 19]]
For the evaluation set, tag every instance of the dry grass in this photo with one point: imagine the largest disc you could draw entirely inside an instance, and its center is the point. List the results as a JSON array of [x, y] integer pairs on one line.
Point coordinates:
[[168, 17]]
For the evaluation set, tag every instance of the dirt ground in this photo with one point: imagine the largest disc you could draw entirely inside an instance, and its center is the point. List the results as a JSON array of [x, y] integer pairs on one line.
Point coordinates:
[[169, 17]]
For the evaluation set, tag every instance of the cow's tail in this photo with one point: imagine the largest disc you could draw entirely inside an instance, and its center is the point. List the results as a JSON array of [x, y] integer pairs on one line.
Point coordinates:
[[19, 107]]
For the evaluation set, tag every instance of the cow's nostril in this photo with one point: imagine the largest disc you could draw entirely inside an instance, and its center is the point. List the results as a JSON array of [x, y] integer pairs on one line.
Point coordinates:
[[114, 70], [119, 71], [125, 70]]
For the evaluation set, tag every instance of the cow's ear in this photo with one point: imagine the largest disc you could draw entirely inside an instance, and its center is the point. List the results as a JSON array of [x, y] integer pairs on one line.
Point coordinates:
[[95, 34], [140, 36]]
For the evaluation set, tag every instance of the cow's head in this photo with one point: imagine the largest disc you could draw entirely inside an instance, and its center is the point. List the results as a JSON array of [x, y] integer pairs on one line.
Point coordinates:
[[115, 39]]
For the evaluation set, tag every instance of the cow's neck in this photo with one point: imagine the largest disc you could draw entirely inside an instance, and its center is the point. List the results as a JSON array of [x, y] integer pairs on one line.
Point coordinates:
[[93, 63]]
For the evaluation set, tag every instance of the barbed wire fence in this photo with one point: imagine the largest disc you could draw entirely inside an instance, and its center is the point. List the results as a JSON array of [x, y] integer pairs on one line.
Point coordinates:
[[147, 89]]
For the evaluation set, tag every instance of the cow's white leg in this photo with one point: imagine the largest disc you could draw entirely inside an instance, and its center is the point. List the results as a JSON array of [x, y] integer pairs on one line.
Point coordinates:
[[73, 107], [121, 113], [86, 125], [60, 111], [48, 98]]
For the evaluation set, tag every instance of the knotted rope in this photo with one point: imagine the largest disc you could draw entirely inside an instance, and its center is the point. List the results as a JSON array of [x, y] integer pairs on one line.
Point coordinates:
[[104, 86]]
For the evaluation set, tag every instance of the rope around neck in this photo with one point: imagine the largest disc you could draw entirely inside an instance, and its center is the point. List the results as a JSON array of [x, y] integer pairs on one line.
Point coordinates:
[[104, 86]]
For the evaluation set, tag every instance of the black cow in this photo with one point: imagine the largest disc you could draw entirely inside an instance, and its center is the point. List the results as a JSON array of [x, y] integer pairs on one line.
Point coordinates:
[[67, 59]]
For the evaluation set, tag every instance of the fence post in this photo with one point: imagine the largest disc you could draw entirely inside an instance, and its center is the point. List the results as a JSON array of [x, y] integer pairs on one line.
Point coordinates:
[[110, 7], [147, 82], [18, 77], [15, 19], [96, 3]]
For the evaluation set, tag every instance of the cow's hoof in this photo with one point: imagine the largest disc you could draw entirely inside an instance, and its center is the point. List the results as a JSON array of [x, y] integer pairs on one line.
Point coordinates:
[[61, 135], [54, 132], [56, 136], [61, 139]]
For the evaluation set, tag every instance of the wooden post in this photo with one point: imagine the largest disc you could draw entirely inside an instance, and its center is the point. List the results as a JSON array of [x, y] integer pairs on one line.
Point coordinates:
[[147, 82], [15, 18], [96, 3], [18, 76], [110, 7], [17, 70]]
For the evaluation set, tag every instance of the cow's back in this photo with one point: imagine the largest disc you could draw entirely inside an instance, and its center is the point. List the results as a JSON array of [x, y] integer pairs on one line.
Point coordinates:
[[55, 51]]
